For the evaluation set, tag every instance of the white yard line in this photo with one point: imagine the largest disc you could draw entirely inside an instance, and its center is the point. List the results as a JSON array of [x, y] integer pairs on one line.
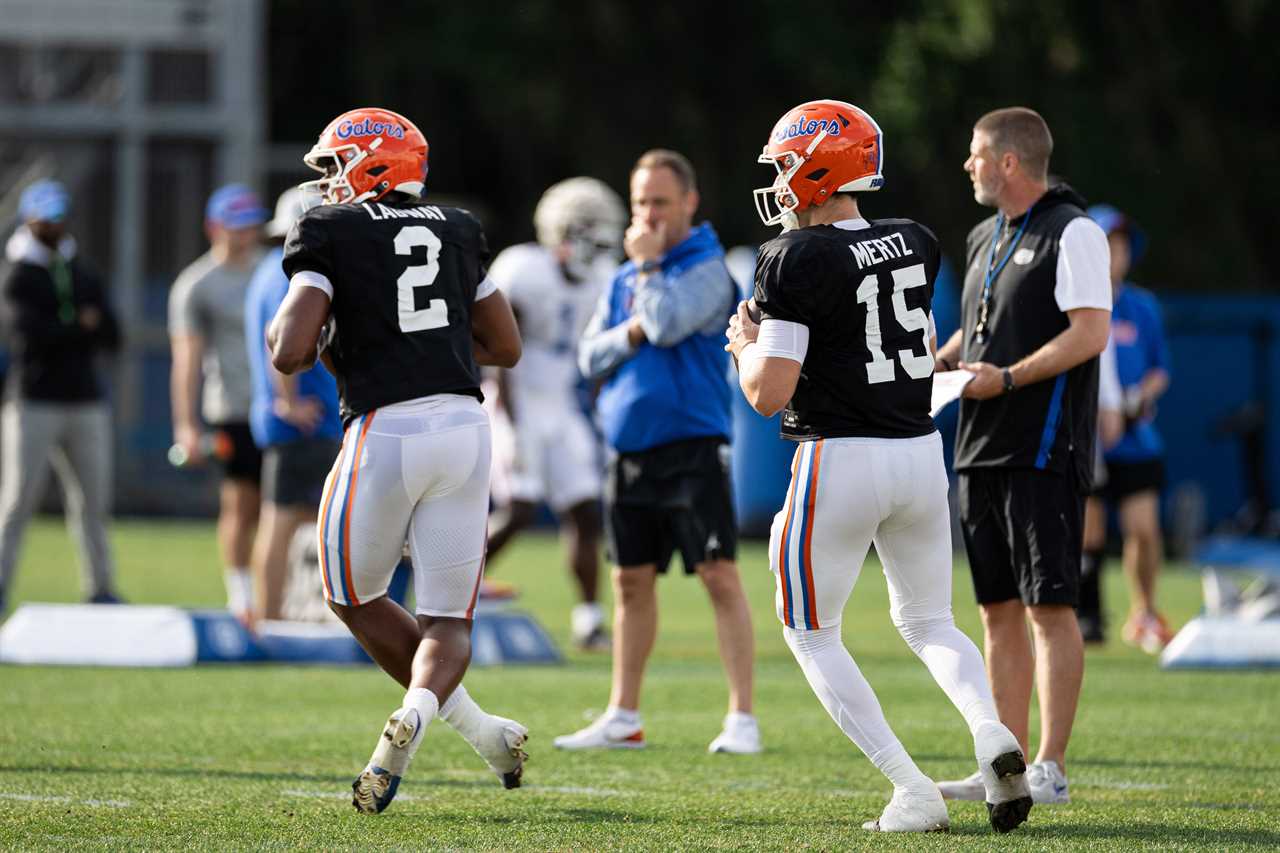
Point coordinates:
[[1126, 786], [857, 792], [573, 789], [317, 795], [33, 798], [47, 798], [336, 795], [553, 789]]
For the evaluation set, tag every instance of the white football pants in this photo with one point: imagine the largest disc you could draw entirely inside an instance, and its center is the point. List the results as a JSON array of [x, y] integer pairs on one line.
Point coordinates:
[[416, 471], [847, 493]]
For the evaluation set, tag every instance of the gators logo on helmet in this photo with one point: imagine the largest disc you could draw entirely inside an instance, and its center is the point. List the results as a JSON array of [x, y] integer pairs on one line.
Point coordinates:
[[365, 154], [819, 148]]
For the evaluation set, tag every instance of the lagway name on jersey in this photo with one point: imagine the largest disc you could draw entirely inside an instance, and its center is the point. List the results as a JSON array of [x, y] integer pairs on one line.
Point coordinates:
[[880, 249], [428, 211]]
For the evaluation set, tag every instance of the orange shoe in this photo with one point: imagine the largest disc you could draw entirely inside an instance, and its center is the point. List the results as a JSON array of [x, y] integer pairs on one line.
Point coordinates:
[[1159, 629], [497, 590], [1132, 631], [1147, 631]]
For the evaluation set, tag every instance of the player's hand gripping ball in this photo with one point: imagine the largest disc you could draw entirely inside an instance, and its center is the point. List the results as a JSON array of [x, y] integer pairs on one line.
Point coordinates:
[[744, 327]]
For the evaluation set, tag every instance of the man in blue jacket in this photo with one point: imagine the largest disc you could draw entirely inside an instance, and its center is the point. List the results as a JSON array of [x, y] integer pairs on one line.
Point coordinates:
[[294, 420], [656, 342]]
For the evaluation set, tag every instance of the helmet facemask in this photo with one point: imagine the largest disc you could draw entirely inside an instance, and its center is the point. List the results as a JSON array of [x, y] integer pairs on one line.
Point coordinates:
[[336, 164], [581, 220], [589, 243], [778, 204]]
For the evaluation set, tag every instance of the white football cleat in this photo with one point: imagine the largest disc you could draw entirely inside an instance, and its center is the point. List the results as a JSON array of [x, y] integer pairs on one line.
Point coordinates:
[[596, 640], [376, 785], [1048, 784], [740, 736], [607, 732], [968, 788], [911, 812], [586, 623], [502, 748], [1003, 770]]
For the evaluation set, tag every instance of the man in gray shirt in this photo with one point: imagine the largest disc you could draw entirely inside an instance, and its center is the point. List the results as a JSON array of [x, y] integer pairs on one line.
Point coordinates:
[[206, 331]]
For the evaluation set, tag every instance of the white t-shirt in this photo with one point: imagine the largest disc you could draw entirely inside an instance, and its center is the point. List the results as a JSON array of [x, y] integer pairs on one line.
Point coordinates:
[[1110, 396], [552, 312], [1084, 267]]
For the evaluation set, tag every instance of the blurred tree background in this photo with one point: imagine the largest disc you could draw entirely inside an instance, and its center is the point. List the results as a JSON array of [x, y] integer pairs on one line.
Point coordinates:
[[1168, 111]]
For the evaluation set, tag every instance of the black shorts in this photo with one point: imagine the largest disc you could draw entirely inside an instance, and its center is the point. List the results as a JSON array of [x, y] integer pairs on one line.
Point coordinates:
[[677, 496], [1023, 532], [293, 473], [1130, 478], [236, 453]]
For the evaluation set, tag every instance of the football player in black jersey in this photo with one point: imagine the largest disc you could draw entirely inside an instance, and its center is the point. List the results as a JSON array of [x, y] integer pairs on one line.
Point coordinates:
[[844, 348], [392, 293]]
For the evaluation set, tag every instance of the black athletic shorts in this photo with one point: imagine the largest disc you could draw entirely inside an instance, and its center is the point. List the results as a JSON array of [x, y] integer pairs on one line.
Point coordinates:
[[1023, 532], [235, 451], [1130, 478], [676, 496], [293, 473]]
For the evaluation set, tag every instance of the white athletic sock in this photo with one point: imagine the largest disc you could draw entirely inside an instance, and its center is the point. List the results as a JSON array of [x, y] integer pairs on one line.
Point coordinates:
[[585, 618], [239, 585], [628, 716], [955, 664], [423, 701], [849, 699], [463, 715]]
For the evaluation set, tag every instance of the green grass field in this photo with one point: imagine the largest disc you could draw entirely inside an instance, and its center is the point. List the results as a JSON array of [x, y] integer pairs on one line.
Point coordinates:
[[252, 757]]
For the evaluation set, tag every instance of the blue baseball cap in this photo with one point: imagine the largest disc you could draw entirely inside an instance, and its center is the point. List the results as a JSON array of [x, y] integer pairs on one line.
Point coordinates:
[[235, 206], [44, 201], [1111, 219]]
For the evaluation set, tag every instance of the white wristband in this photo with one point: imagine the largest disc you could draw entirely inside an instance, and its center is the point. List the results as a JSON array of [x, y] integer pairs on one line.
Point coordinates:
[[783, 339], [311, 278]]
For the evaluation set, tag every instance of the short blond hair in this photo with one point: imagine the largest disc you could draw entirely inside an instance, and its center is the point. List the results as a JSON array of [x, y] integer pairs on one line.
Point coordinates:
[[1024, 132], [673, 160]]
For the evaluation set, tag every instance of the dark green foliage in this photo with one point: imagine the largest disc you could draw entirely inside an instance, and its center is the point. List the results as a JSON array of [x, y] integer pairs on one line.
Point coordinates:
[[1166, 110]]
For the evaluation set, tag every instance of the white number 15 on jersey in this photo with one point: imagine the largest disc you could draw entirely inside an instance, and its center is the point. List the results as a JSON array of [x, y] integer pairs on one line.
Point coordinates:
[[912, 319]]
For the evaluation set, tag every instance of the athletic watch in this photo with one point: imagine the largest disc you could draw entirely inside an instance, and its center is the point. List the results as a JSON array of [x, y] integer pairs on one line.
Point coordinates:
[[1007, 375]]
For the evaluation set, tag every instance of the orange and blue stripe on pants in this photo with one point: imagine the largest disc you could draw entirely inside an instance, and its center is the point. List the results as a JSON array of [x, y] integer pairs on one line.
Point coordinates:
[[795, 572], [334, 530]]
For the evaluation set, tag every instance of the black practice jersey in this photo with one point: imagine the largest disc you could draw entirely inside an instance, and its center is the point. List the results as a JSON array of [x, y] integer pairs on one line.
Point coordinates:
[[1046, 425], [404, 278], [866, 295]]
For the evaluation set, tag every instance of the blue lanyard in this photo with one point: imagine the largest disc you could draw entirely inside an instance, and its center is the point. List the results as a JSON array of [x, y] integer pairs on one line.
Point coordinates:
[[992, 273]]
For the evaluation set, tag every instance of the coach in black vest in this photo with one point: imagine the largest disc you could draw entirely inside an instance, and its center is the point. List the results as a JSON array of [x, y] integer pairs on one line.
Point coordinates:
[[1036, 312]]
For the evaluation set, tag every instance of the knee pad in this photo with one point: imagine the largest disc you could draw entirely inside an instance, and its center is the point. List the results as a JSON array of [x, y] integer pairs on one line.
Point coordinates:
[[917, 632], [805, 643]]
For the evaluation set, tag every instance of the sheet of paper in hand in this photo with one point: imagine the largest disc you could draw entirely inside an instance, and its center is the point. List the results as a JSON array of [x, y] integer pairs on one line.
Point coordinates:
[[947, 387]]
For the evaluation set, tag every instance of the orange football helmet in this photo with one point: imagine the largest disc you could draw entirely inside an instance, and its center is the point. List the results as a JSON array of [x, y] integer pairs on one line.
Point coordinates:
[[819, 148], [365, 154]]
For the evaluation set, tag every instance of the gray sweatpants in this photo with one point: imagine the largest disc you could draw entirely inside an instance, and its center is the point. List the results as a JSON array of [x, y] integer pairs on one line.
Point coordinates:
[[76, 439]]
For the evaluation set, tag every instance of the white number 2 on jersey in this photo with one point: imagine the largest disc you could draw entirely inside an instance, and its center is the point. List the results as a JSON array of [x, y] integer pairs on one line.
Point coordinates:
[[436, 314], [912, 319]]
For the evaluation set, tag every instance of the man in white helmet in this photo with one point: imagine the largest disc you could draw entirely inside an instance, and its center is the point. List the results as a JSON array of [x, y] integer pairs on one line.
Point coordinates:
[[545, 448]]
